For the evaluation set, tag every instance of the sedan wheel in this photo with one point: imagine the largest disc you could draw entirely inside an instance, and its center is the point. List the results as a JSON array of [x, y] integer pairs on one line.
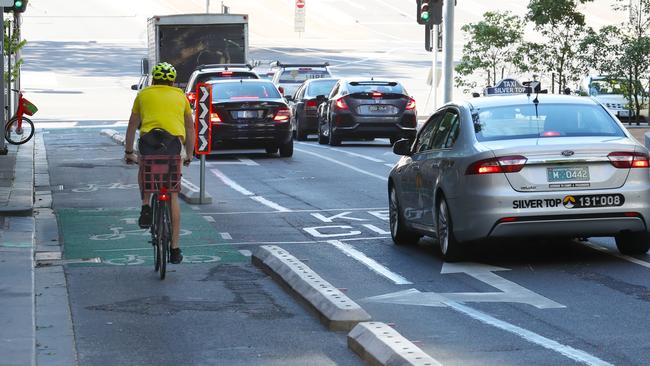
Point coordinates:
[[286, 150], [633, 243], [334, 140], [322, 139], [398, 231], [450, 248]]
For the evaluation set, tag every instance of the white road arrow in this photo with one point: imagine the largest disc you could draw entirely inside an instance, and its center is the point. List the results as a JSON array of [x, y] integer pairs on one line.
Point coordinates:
[[511, 292]]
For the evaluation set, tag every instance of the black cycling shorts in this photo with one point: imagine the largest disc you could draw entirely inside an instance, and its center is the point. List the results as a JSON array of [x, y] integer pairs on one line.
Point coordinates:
[[159, 142]]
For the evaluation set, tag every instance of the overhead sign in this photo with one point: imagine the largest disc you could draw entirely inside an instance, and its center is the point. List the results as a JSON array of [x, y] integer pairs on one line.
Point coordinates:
[[507, 86], [299, 19], [203, 115]]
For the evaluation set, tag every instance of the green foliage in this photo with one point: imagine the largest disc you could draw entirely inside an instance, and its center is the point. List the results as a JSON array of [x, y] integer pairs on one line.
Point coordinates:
[[11, 46], [490, 47]]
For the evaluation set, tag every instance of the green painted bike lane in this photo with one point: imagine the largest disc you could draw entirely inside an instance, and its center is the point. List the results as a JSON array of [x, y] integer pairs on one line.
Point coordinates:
[[114, 236]]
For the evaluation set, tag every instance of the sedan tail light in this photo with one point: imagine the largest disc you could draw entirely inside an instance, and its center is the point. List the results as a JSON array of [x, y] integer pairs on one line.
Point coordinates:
[[311, 104], [214, 118], [504, 164], [282, 114], [627, 160], [341, 104], [411, 104]]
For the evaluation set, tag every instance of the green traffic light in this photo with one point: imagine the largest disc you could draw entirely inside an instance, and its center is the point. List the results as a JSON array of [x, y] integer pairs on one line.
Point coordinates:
[[425, 15], [18, 3]]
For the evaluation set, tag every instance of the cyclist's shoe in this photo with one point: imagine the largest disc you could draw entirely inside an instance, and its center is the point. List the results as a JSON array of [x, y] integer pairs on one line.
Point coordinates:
[[175, 256], [145, 217]]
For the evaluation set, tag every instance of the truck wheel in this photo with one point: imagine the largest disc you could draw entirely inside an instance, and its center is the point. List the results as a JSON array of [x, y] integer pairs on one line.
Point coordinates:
[[633, 243]]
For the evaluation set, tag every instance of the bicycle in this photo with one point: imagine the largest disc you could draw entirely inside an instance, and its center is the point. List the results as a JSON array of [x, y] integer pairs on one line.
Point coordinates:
[[160, 175], [20, 129]]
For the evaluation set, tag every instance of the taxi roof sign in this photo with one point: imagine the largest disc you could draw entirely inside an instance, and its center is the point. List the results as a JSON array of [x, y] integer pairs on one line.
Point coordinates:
[[508, 87]]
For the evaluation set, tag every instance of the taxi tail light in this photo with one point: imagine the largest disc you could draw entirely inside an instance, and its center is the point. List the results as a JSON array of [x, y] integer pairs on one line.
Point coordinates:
[[282, 114], [341, 104], [214, 118], [410, 105], [503, 164], [627, 160]]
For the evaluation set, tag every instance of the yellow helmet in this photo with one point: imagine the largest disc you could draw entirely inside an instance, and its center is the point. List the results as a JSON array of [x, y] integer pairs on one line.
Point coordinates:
[[164, 71]]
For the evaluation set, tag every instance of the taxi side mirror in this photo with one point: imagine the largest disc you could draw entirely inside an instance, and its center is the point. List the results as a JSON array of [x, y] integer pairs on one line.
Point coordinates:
[[402, 147]]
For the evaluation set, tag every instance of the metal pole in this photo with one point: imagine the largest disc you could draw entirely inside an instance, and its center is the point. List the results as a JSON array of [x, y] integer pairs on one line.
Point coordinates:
[[17, 24], [3, 145], [202, 181], [448, 51], [10, 111], [434, 69], [207, 6]]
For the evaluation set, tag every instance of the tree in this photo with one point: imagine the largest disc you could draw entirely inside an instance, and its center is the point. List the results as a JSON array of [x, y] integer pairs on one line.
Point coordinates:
[[491, 46], [563, 26], [11, 46]]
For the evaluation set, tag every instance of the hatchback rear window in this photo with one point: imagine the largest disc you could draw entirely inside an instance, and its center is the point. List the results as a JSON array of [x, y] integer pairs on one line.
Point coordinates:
[[374, 86], [322, 87], [297, 76], [549, 120], [237, 90]]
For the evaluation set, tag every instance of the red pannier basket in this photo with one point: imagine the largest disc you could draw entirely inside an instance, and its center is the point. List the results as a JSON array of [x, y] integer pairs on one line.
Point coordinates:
[[160, 171]]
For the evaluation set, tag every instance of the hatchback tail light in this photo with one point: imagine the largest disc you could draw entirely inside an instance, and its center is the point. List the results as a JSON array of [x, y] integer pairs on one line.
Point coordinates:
[[627, 160], [410, 105], [311, 104], [341, 104], [504, 164], [214, 118], [282, 114], [376, 94], [191, 96]]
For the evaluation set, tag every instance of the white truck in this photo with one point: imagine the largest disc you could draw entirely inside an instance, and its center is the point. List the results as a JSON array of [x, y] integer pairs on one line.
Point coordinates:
[[609, 92], [189, 40]]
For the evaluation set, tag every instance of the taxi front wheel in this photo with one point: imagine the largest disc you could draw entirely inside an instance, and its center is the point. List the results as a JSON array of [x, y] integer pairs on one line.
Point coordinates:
[[633, 243]]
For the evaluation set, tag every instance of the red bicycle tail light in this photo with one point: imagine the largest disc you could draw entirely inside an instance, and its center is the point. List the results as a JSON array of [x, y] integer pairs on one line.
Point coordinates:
[[504, 164], [627, 160], [214, 118], [282, 115], [341, 104], [411, 104], [163, 196]]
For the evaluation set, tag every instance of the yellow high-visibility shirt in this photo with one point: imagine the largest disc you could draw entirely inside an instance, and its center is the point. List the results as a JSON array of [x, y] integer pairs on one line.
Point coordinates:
[[162, 106]]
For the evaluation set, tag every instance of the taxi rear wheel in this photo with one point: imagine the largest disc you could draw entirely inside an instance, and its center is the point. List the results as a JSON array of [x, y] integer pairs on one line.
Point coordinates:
[[400, 234], [633, 243], [451, 249]]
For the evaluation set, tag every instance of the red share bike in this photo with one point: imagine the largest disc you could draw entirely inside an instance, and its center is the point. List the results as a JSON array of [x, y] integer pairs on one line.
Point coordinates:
[[20, 129]]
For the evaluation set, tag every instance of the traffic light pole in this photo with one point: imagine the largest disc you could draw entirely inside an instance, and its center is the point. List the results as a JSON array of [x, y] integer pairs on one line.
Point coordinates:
[[434, 69], [448, 51], [3, 145]]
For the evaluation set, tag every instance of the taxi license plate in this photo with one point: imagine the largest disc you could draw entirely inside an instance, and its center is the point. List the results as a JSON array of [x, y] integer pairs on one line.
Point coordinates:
[[594, 201], [568, 174], [378, 108]]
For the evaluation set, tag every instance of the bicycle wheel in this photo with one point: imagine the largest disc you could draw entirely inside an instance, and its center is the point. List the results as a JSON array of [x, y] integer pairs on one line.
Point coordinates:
[[19, 136], [165, 237], [154, 231]]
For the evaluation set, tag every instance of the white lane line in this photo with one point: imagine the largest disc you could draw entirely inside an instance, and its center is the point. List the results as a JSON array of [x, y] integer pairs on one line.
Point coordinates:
[[194, 208], [372, 209], [344, 164], [389, 165], [270, 204], [250, 243], [208, 218], [570, 352], [618, 255], [370, 158], [226, 236], [369, 262], [376, 229], [246, 253], [191, 186], [230, 183], [247, 162]]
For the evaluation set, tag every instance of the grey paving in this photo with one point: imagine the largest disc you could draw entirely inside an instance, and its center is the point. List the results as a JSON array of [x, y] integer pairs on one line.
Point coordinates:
[[17, 180]]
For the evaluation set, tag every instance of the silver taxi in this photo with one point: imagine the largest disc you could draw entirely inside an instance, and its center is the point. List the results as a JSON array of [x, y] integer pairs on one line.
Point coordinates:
[[521, 166]]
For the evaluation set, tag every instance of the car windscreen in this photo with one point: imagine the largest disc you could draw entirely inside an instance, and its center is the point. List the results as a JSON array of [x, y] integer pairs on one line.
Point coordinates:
[[321, 87], [297, 76], [225, 75], [375, 86], [547, 120], [238, 90]]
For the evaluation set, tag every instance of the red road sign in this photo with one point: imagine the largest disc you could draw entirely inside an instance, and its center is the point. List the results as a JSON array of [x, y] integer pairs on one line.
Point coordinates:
[[300, 4]]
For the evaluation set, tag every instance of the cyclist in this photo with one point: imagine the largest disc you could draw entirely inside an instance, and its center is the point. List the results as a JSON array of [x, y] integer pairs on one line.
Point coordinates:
[[164, 117]]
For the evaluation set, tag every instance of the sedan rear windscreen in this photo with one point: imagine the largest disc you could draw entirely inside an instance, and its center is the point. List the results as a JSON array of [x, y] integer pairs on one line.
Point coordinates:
[[237, 90], [547, 120], [375, 86], [297, 76]]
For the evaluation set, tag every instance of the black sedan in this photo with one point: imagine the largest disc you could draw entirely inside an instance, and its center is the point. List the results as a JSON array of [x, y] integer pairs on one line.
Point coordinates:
[[250, 114], [362, 109], [304, 105]]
